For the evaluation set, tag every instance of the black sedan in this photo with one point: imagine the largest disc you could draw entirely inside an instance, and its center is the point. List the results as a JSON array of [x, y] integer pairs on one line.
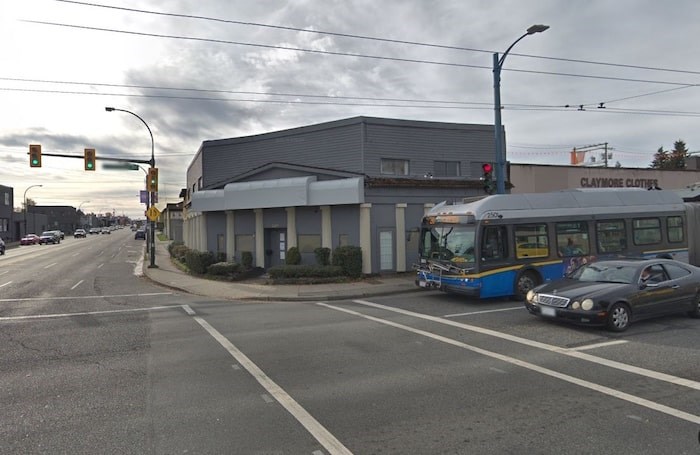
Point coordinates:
[[614, 293]]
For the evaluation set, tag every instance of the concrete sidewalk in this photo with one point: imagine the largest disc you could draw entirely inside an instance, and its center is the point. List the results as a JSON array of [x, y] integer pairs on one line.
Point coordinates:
[[167, 274]]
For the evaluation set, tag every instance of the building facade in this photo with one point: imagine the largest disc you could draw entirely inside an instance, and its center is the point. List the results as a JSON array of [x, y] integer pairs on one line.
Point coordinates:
[[361, 181]]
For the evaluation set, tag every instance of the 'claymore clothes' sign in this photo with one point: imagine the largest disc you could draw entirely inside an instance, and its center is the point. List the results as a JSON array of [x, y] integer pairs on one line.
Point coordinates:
[[603, 182]]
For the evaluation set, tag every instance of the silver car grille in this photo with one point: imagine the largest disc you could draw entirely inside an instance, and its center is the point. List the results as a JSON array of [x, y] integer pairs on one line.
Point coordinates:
[[552, 300]]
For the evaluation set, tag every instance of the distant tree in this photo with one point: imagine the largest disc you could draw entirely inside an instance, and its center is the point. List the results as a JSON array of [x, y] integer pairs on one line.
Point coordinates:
[[661, 159], [674, 159], [679, 154]]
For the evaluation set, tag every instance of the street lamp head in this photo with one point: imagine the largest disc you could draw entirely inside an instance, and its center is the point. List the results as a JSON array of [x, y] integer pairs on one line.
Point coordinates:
[[109, 109], [537, 28]]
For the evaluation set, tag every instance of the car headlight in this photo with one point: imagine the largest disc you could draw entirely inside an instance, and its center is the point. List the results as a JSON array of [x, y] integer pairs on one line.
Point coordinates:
[[587, 304], [531, 296], [576, 305]]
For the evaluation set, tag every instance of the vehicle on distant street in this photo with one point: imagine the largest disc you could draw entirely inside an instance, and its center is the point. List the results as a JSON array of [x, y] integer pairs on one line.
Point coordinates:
[[94, 230], [79, 233], [616, 292], [140, 234], [47, 237], [106, 230], [61, 234], [30, 239]]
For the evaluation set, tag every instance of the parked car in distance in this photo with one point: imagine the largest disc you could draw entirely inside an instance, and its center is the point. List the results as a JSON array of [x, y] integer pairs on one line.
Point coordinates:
[[47, 237], [140, 234], [2, 246], [106, 230], [30, 239], [61, 234], [94, 230], [80, 233], [614, 293]]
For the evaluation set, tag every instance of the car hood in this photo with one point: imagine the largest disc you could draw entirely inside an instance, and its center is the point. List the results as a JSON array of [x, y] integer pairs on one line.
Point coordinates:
[[574, 288]]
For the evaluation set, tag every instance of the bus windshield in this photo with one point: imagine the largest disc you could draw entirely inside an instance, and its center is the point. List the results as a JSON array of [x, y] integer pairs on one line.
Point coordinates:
[[454, 242]]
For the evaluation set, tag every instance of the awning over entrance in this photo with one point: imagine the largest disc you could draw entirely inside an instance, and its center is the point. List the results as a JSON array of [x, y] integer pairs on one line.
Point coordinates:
[[287, 192]]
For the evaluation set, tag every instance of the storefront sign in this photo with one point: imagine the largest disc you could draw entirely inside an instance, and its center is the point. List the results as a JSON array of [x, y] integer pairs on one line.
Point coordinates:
[[602, 182]]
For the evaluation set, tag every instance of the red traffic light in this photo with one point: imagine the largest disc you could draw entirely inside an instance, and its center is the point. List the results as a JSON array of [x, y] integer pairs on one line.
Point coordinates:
[[487, 168]]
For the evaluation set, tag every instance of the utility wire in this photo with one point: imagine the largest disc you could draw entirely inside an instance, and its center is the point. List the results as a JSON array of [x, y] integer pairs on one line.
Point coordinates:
[[372, 38], [347, 54]]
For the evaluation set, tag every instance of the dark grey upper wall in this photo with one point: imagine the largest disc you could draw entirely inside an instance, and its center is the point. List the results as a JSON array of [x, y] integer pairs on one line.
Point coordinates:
[[354, 145]]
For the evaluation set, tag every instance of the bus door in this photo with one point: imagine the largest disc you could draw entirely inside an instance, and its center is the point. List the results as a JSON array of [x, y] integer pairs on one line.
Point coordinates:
[[493, 254]]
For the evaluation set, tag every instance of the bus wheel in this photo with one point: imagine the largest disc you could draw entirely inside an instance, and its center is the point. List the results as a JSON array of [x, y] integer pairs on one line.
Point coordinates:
[[525, 282]]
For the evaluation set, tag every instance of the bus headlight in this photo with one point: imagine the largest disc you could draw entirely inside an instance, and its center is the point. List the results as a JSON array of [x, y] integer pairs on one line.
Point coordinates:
[[531, 296], [587, 304]]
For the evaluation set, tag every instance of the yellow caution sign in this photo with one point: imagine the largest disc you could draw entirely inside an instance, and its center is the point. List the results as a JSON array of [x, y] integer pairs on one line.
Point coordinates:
[[153, 213]]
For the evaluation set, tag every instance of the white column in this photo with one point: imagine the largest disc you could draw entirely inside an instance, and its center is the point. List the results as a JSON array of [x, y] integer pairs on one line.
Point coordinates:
[[259, 239], [426, 207], [291, 227], [230, 237], [401, 237], [326, 227], [366, 237], [203, 232]]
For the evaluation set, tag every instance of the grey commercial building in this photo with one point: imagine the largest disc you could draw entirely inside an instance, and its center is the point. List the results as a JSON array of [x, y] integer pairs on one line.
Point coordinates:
[[360, 181]]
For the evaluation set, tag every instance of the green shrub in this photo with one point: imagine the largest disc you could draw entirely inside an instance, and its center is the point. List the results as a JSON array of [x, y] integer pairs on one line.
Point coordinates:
[[304, 271], [323, 256], [220, 256], [199, 261], [349, 258], [172, 245], [293, 256], [247, 259], [223, 268], [179, 252]]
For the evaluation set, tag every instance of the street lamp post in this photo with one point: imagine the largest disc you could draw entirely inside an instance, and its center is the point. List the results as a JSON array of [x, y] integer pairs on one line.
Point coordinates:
[[498, 127], [25, 207], [152, 195]]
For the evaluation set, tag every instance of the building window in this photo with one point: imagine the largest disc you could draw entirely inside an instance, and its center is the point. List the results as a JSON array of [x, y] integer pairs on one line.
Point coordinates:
[[7, 198], [4, 224], [307, 243], [244, 242], [343, 240], [446, 169], [390, 166]]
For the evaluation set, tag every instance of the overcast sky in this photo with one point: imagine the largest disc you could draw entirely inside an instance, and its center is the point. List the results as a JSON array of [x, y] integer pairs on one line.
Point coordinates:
[[201, 70]]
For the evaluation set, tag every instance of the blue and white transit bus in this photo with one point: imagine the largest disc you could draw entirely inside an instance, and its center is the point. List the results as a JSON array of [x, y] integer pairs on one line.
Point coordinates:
[[504, 245]]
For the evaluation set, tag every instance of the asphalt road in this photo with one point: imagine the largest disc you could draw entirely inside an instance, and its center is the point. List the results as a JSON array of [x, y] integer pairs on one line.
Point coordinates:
[[96, 359]]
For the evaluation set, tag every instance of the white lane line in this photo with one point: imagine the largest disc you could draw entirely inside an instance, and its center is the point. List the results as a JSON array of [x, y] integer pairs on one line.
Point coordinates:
[[530, 366], [3, 285], [50, 265], [483, 312], [86, 313], [318, 431], [2, 273], [75, 254], [100, 266], [598, 345], [547, 347], [34, 299], [188, 310], [77, 284]]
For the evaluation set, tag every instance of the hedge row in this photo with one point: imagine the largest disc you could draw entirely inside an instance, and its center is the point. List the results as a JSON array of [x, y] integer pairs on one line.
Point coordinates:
[[346, 261]]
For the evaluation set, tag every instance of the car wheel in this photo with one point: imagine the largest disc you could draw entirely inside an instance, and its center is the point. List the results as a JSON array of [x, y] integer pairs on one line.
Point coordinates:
[[525, 282], [695, 312], [619, 317]]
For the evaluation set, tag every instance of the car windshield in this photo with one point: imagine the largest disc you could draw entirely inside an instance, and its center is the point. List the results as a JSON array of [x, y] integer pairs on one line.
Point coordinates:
[[606, 272]]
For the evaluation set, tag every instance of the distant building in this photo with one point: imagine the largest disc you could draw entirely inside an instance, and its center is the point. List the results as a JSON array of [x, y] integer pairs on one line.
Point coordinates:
[[172, 221], [59, 217], [8, 230]]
